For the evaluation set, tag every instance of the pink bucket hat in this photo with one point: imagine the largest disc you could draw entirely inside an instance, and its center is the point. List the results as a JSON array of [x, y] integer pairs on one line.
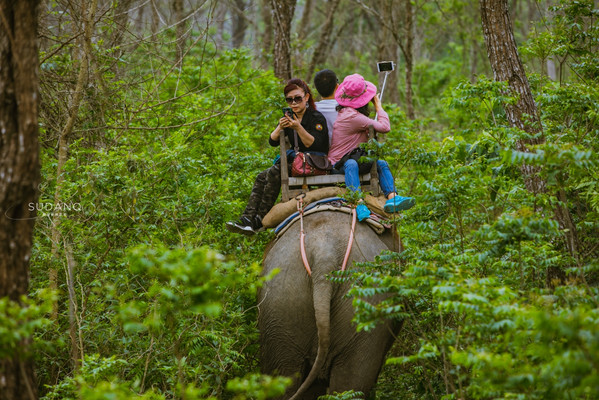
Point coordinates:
[[354, 91]]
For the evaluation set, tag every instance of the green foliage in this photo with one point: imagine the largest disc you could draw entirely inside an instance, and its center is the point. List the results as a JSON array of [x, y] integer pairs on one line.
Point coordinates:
[[572, 38], [153, 287], [180, 282], [19, 320], [349, 395], [258, 387], [494, 302], [97, 379], [538, 345], [497, 298]]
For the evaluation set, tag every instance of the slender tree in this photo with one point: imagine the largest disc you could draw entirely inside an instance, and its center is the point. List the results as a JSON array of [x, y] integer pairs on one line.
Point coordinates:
[[179, 30], [155, 19], [63, 140], [266, 35], [19, 174], [240, 23], [121, 19], [403, 34], [507, 67], [305, 25], [321, 52], [282, 11], [388, 50], [408, 53]]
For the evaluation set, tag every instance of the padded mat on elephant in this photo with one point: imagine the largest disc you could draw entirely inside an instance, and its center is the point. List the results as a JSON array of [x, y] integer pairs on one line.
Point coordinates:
[[331, 204], [280, 212]]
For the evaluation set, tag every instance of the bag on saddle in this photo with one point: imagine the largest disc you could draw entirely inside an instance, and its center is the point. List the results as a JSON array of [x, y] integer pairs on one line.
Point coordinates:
[[309, 164]]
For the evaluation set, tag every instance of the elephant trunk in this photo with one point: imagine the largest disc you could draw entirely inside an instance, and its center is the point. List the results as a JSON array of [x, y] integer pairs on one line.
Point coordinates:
[[322, 293]]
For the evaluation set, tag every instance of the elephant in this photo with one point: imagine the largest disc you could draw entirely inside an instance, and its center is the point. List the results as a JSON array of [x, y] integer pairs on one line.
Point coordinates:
[[305, 322]]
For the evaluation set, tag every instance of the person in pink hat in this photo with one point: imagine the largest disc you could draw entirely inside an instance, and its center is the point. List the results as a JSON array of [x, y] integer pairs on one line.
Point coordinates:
[[350, 130]]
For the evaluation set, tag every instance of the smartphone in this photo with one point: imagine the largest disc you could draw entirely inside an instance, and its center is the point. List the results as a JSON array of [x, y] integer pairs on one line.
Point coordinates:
[[385, 66], [288, 112]]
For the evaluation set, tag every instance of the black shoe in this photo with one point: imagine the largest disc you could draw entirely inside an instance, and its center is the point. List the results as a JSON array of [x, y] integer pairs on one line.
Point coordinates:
[[257, 224], [245, 226]]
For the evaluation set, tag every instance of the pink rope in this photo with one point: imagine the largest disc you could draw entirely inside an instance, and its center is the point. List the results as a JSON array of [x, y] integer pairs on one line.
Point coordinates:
[[351, 239], [300, 208]]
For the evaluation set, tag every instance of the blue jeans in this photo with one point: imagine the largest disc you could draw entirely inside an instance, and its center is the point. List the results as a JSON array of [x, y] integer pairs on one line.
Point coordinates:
[[352, 176]]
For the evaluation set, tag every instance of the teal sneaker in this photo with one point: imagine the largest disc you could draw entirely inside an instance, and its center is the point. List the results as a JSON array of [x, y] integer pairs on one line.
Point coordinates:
[[398, 203], [362, 211]]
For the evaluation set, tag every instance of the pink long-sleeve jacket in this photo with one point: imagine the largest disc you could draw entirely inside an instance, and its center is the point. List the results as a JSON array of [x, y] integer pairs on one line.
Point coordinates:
[[351, 129]]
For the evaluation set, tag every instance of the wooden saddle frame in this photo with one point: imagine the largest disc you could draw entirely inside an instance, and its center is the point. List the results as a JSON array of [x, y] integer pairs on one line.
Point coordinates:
[[292, 186]]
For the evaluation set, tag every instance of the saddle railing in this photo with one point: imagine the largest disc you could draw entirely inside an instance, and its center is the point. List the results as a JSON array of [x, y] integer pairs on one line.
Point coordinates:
[[291, 186]]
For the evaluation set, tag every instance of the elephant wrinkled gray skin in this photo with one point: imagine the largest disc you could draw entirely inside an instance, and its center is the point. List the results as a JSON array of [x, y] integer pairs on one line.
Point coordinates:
[[306, 320]]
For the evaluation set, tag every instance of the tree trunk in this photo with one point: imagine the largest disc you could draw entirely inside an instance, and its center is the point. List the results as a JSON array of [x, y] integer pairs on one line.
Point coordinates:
[[282, 11], [319, 56], [155, 20], [507, 67], [304, 26], [266, 10], [409, 56], [121, 19], [76, 351], [473, 60], [63, 140], [179, 30], [140, 17], [388, 50], [19, 173], [240, 24], [405, 42], [551, 69], [220, 17]]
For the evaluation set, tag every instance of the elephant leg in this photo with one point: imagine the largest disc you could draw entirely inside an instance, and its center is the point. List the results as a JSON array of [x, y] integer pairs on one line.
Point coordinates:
[[359, 365], [352, 377], [317, 389], [281, 358], [292, 369]]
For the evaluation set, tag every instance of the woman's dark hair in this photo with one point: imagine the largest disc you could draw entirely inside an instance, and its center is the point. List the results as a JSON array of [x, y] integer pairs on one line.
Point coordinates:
[[365, 110], [297, 83]]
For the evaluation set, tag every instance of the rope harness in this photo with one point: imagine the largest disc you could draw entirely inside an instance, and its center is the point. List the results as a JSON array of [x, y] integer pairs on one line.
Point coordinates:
[[300, 209], [350, 242]]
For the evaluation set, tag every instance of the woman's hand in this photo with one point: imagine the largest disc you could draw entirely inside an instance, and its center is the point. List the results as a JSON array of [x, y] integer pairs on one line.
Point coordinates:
[[276, 134], [284, 122], [377, 102], [293, 123], [287, 122]]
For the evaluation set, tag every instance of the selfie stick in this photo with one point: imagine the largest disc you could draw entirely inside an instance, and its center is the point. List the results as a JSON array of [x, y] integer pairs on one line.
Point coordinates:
[[384, 83], [376, 117]]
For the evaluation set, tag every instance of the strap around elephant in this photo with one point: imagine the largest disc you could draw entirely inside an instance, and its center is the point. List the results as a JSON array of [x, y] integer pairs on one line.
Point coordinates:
[[350, 242], [300, 209]]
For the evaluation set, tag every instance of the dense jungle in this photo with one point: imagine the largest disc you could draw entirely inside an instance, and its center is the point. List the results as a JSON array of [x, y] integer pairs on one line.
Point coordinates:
[[153, 121]]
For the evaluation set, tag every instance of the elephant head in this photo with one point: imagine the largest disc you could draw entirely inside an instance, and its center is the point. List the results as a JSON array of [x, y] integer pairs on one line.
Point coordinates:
[[305, 322]]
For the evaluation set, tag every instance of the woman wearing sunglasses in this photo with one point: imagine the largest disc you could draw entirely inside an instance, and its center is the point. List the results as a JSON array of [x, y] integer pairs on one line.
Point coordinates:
[[312, 135]]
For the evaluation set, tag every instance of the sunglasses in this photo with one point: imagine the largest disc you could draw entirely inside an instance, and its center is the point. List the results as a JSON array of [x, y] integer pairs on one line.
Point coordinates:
[[292, 100]]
